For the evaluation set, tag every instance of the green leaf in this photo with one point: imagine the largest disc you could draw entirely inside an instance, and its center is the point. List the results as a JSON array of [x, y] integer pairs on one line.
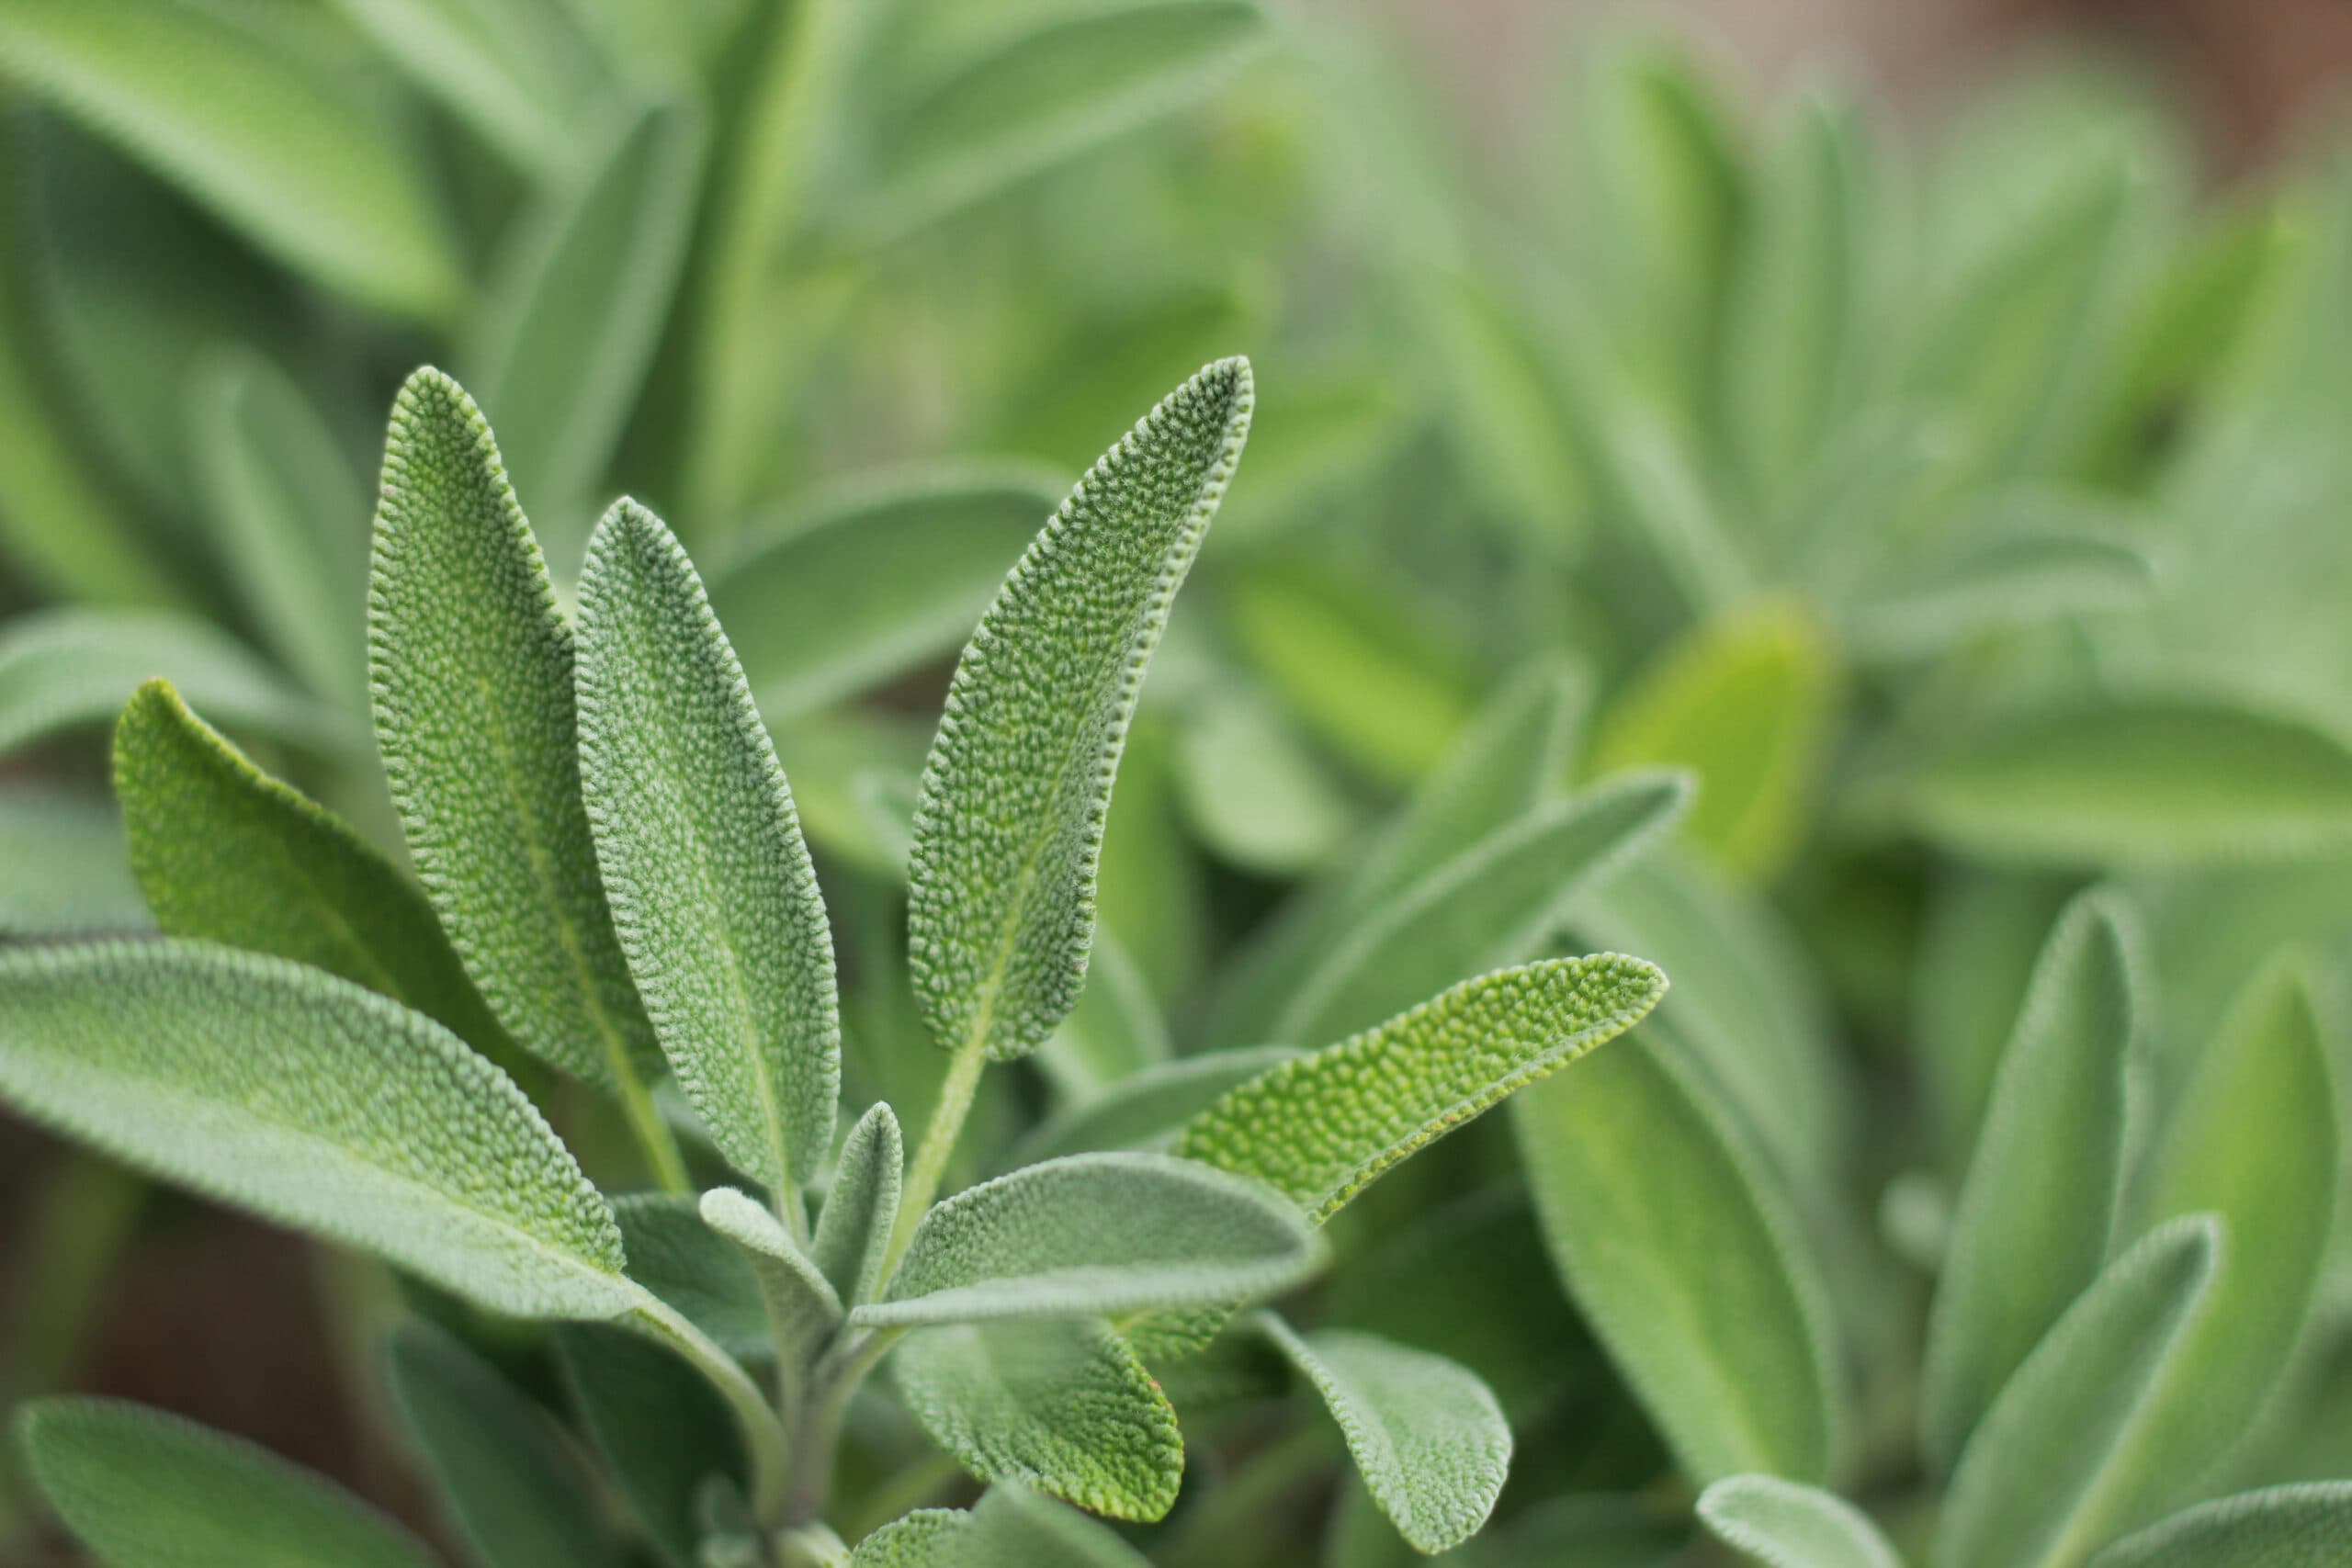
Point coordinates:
[[1510, 411], [1683, 1255], [802, 1306], [517, 1495], [874, 579], [853, 1230], [928, 1537], [511, 69], [2285, 1527], [579, 297], [1114, 1032], [1748, 702], [1783, 1525], [141, 1487], [1010, 823], [704, 1279], [1062, 1404], [1040, 97], [471, 664], [1013, 1528], [2035, 1487], [2145, 781], [254, 127], [1426, 1433], [1323, 1127], [370, 1124], [61, 670], [227, 853], [1495, 904], [291, 517], [68, 871], [1147, 1109], [1254, 793], [661, 1430], [2040, 1206], [712, 894], [1097, 1234]]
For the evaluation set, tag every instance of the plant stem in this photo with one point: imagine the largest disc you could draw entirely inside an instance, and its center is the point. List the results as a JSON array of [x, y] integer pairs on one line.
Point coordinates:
[[956, 1092], [816, 1435], [763, 1439], [654, 1139]]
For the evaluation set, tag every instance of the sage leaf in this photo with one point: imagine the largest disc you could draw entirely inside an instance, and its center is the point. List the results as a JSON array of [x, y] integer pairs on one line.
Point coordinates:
[[1684, 1257], [2285, 1527], [1147, 1109], [703, 1277], [1254, 793], [1009, 825], [1114, 1032], [2042, 1199], [1427, 1435], [928, 1537], [471, 665], [1060, 1404], [1781, 1524], [510, 68], [518, 1495], [661, 1430], [853, 1229], [1011, 1528], [138, 1488], [803, 1309], [712, 895], [872, 579], [1321, 1128], [68, 870], [227, 853], [1097, 1235], [2036, 1484], [228, 107], [316, 1104]]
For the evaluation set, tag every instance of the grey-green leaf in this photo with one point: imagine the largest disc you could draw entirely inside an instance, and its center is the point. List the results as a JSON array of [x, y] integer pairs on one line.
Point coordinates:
[[704, 1278], [853, 1230], [1013, 1528], [1426, 1433], [1062, 1404], [2285, 1527], [471, 664], [1682, 1250], [803, 1308], [1097, 1235], [319, 1104], [661, 1430], [711, 890], [517, 1495], [1009, 827], [67, 870], [1782, 1524], [2040, 1208], [140, 1487]]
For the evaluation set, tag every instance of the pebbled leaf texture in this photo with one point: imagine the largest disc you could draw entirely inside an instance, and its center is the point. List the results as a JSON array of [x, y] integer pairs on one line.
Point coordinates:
[[141, 1488], [2042, 1199], [471, 663], [1321, 1128], [1062, 1404], [803, 1309], [1011, 1528], [1428, 1436], [1008, 824], [1096, 1236], [2285, 1527], [229, 854], [853, 1230], [316, 1104], [1781, 1524], [712, 893]]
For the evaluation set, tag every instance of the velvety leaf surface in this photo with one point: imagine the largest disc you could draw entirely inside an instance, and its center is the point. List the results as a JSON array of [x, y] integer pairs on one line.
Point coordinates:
[[140, 1487], [712, 894], [1011, 1528], [1783, 1525], [697, 1271], [802, 1307], [313, 1102], [2285, 1527], [1009, 827], [854, 1231]]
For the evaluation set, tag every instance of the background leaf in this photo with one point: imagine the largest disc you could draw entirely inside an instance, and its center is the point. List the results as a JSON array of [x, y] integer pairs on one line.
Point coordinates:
[[661, 1432], [1783, 1525], [2287, 1526], [69, 873]]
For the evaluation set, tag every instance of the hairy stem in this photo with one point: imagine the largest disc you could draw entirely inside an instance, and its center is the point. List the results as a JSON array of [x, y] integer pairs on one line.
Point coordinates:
[[763, 1439], [938, 1137]]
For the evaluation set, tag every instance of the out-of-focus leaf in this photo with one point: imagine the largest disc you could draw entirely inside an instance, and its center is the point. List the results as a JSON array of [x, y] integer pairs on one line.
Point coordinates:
[[1682, 1255], [1509, 410], [1149, 1108], [1011, 1528], [1982, 936], [237, 112], [1114, 1032], [2285, 1527], [705, 1279], [513, 70], [1783, 1525], [661, 1431], [1672, 503], [64, 868], [1257, 795]]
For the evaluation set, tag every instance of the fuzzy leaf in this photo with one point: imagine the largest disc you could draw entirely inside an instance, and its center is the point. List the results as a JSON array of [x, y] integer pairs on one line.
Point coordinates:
[[702, 1278], [472, 668], [853, 1230], [712, 894], [2036, 1483], [68, 873], [1062, 1404], [803, 1309], [659, 1429], [1323, 1127], [1493, 905], [1097, 1234], [872, 580], [2040, 1208], [1426, 1433], [1009, 828], [928, 1537], [227, 853], [140, 1487], [1681, 1252], [226, 105], [318, 1104], [1013, 1528], [1783, 1525], [1147, 1109], [518, 1495], [2285, 1527], [2150, 781]]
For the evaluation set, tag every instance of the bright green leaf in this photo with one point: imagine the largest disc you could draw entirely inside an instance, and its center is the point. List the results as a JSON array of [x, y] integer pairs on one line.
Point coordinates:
[[2287, 1526], [1783, 1525]]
